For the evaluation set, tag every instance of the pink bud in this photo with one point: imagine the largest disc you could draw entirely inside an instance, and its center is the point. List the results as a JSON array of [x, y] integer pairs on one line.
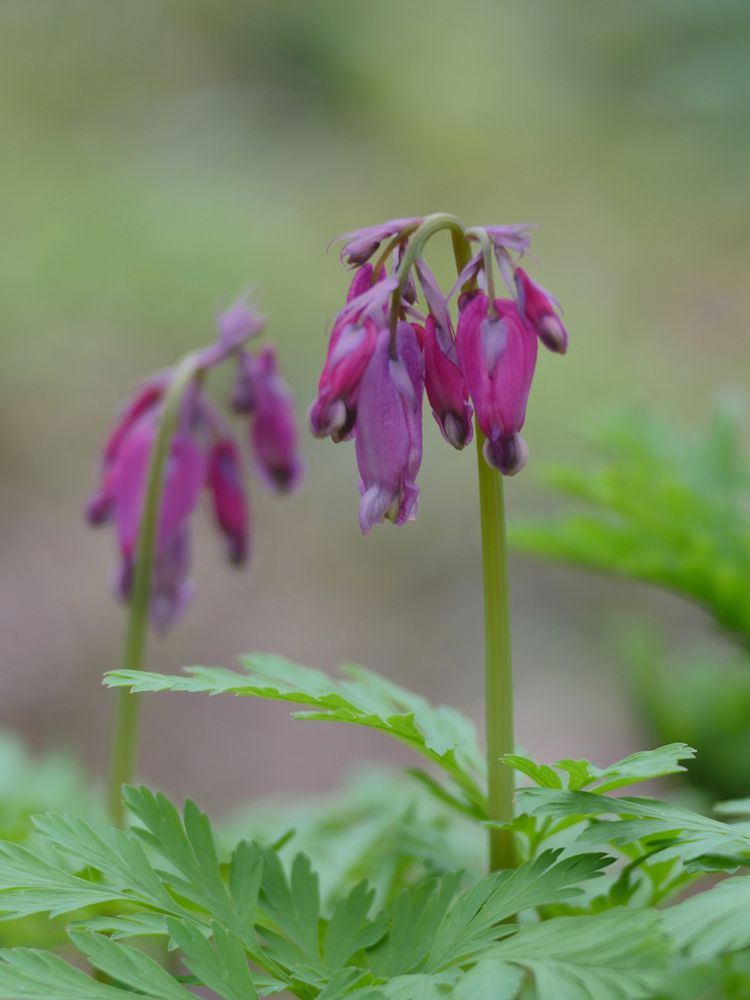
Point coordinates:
[[273, 429], [541, 310], [229, 500], [498, 358], [446, 388]]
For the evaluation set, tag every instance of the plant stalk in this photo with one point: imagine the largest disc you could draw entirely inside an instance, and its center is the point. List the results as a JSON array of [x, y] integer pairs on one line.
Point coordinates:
[[498, 660], [125, 726]]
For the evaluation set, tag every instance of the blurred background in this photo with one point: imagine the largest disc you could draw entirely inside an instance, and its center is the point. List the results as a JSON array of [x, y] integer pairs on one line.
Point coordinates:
[[157, 157]]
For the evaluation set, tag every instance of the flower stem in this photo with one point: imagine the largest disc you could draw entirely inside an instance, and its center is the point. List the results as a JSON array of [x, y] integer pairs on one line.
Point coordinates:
[[498, 662], [124, 736]]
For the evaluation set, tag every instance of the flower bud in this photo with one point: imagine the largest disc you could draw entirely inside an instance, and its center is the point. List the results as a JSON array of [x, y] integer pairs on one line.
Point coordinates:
[[446, 388], [229, 500], [273, 428], [541, 310]]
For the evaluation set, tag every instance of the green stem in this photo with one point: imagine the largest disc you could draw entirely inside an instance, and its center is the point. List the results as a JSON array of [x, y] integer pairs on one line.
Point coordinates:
[[431, 225], [498, 663], [497, 644], [123, 751]]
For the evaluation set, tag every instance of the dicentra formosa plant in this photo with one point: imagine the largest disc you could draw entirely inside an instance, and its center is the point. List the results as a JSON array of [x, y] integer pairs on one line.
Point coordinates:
[[383, 352], [169, 445]]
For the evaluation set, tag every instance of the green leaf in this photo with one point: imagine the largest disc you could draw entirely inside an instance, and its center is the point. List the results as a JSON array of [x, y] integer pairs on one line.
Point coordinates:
[[349, 930], [418, 987], [473, 921], [643, 766], [222, 967], [490, 979], [28, 974], [362, 697], [639, 819], [616, 955], [661, 506], [129, 967], [713, 922]]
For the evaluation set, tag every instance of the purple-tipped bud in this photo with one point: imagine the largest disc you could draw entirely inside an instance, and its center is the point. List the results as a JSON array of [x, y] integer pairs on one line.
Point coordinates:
[[361, 244], [389, 430], [446, 388], [229, 499], [273, 429], [541, 310], [498, 358], [238, 323]]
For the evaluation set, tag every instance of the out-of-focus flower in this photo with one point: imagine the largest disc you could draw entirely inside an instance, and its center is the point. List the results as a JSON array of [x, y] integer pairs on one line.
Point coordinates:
[[227, 488], [202, 455], [273, 426]]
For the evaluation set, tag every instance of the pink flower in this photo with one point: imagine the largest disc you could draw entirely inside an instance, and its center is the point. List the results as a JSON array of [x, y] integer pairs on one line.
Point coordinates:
[[389, 430], [498, 357], [541, 310], [446, 388], [273, 428], [229, 497]]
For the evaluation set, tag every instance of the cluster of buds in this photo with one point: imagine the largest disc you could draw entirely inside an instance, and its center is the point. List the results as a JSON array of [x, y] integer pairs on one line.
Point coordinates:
[[388, 345], [203, 456]]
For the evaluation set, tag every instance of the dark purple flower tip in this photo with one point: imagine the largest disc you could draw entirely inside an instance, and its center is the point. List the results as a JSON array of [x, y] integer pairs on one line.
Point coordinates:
[[507, 455], [541, 310], [360, 244], [225, 483], [273, 428], [99, 508], [238, 323]]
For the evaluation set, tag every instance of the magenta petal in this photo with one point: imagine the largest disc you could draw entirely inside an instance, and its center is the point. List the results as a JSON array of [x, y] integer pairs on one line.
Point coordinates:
[[389, 430], [229, 498], [185, 474], [446, 390], [273, 429], [171, 588], [498, 374], [541, 310]]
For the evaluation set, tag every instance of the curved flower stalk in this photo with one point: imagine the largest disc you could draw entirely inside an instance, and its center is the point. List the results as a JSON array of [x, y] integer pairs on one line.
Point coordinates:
[[169, 446], [482, 361], [388, 344], [203, 457]]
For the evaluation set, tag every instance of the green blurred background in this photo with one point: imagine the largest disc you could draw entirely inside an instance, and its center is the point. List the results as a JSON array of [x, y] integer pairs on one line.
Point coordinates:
[[156, 157]]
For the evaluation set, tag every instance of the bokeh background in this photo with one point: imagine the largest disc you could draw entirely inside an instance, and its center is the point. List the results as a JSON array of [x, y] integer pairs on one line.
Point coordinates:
[[156, 157]]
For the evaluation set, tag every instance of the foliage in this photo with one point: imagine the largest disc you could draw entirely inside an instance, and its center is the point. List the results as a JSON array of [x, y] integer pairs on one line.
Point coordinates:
[[671, 509], [663, 507], [591, 923], [441, 734], [247, 925]]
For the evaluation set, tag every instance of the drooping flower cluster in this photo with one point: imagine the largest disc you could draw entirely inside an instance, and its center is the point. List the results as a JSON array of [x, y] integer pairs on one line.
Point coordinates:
[[384, 350], [203, 457]]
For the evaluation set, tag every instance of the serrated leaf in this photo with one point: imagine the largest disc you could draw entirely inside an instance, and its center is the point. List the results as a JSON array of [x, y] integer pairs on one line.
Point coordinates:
[[128, 966], [639, 819], [29, 974], [475, 920], [349, 930], [713, 922], [616, 955], [362, 697], [222, 967], [642, 766]]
